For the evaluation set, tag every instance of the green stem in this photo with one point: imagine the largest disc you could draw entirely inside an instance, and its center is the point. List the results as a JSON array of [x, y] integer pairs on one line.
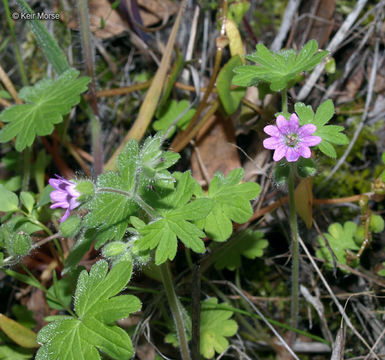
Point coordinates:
[[176, 310], [284, 100], [294, 250]]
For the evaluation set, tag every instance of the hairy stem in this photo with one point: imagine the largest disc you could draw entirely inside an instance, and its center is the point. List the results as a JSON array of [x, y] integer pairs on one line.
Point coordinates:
[[294, 250], [176, 310]]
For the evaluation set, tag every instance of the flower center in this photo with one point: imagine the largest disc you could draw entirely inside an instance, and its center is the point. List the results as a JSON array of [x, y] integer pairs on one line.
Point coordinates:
[[291, 140]]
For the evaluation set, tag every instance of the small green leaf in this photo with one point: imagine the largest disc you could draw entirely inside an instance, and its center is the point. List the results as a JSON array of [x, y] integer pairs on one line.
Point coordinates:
[[45, 104], [172, 112], [278, 68], [231, 202], [27, 200], [175, 222], [340, 238], [215, 327], [8, 200], [324, 113], [97, 310], [230, 99], [330, 134], [248, 243]]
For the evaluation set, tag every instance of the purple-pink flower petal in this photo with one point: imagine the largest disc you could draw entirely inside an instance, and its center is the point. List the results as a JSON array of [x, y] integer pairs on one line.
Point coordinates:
[[290, 140], [291, 154], [272, 130], [311, 140], [272, 142], [279, 153], [64, 196], [307, 130], [304, 151], [293, 123]]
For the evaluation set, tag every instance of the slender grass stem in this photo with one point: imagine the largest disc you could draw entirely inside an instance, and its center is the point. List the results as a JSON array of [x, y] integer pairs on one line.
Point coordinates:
[[294, 251], [176, 310]]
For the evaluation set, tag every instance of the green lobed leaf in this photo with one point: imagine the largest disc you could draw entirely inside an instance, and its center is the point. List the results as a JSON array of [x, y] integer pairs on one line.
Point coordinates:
[[175, 222], [139, 168], [45, 104], [330, 134], [231, 202], [97, 309], [341, 239], [278, 68], [215, 327], [248, 243]]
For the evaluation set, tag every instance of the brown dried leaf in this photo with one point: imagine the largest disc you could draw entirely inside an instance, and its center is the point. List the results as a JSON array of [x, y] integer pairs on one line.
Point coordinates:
[[215, 144]]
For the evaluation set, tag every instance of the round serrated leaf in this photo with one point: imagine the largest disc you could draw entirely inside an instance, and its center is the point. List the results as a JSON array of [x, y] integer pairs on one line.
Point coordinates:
[[8, 200]]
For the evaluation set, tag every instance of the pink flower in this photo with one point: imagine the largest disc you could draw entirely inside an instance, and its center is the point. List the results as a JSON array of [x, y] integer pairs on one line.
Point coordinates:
[[290, 140], [64, 196]]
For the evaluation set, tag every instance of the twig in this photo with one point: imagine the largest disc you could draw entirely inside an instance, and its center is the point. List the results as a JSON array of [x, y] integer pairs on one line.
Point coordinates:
[[337, 39], [291, 8]]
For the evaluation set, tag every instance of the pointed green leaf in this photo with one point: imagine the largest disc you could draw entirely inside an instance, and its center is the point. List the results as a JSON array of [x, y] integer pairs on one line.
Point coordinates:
[[8, 200], [231, 202]]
